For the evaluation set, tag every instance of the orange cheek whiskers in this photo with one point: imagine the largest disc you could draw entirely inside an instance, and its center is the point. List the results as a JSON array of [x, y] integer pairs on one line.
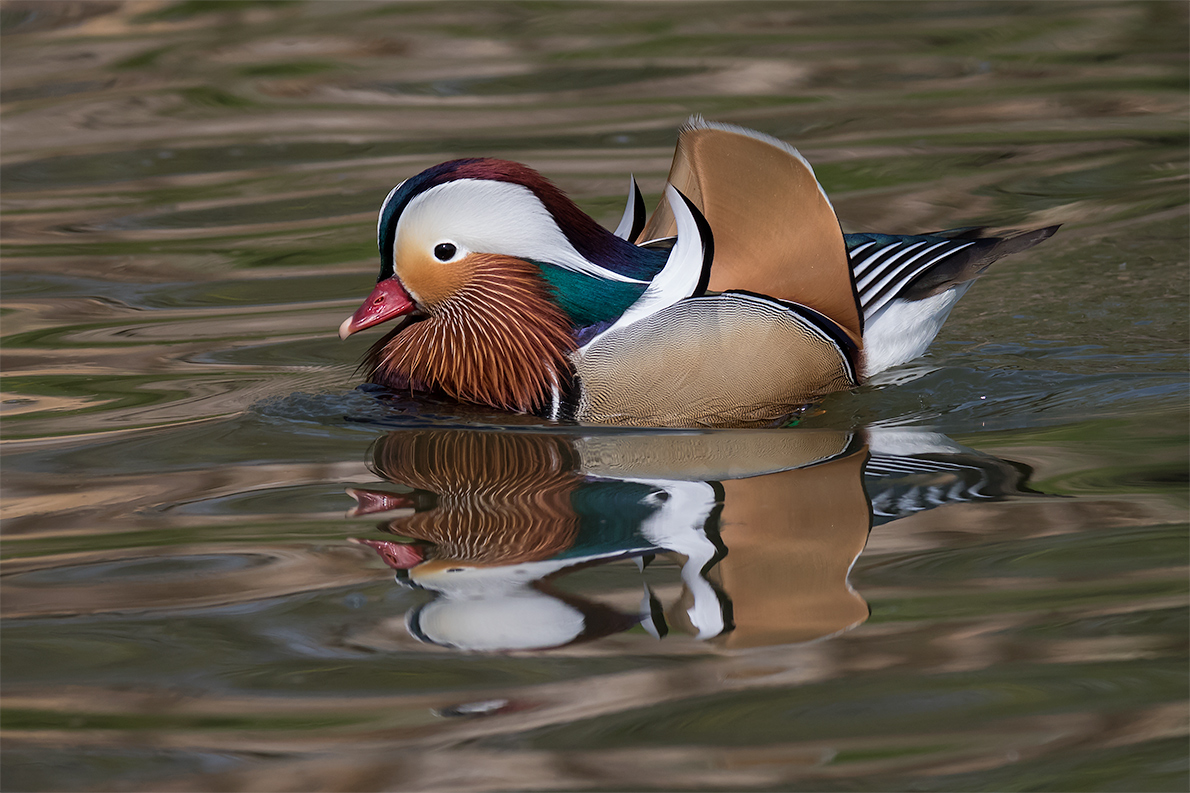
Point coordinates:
[[498, 340]]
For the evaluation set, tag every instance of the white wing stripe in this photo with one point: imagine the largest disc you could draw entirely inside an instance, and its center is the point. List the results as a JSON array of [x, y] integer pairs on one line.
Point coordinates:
[[868, 295], [851, 254], [859, 269], [862, 283], [887, 465], [922, 254], [889, 294]]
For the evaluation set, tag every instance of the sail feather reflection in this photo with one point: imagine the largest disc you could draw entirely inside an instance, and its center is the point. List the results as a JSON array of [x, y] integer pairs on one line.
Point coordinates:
[[765, 527]]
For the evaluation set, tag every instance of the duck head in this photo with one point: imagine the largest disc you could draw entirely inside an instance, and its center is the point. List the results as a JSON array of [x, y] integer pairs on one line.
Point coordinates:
[[497, 270]]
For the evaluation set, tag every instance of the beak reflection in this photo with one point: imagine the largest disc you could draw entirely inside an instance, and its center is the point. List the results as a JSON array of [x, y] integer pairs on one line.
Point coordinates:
[[759, 529]]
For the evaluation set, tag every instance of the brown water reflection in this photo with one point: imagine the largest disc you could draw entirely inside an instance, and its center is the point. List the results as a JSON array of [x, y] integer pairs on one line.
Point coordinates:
[[765, 527], [513, 512], [1000, 661], [985, 640]]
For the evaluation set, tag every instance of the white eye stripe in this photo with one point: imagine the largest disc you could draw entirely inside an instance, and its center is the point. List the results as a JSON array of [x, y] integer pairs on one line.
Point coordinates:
[[492, 217]]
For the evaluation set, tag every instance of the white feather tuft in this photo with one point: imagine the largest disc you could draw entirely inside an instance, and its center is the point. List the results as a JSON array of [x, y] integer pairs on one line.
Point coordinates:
[[624, 230], [680, 276]]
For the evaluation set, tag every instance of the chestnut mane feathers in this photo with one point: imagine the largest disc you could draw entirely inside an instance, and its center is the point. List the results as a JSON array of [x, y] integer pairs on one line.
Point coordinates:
[[500, 341]]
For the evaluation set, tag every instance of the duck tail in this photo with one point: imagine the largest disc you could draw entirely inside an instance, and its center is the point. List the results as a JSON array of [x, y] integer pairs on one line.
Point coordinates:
[[908, 285], [972, 262]]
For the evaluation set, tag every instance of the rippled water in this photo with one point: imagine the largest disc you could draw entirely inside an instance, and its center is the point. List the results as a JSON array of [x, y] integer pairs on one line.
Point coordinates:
[[972, 579]]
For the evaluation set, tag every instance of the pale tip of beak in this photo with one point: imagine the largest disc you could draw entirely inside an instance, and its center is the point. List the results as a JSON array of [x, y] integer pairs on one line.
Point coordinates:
[[351, 491], [345, 329]]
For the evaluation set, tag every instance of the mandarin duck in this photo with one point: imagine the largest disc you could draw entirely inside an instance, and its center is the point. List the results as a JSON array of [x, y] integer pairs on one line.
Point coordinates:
[[740, 301]]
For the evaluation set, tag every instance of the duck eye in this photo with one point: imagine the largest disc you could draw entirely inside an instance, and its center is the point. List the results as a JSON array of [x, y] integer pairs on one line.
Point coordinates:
[[444, 251]]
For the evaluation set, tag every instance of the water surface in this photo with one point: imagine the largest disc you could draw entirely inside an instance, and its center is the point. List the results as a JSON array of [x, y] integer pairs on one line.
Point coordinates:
[[971, 575]]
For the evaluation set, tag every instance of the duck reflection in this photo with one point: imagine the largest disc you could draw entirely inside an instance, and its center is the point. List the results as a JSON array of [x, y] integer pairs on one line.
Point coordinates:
[[766, 526]]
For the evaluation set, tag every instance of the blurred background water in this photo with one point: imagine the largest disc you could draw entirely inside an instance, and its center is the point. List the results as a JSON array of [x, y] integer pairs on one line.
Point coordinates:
[[189, 192]]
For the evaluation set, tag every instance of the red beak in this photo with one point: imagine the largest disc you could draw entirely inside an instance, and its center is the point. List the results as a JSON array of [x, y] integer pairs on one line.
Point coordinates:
[[389, 299], [369, 502], [398, 556]]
